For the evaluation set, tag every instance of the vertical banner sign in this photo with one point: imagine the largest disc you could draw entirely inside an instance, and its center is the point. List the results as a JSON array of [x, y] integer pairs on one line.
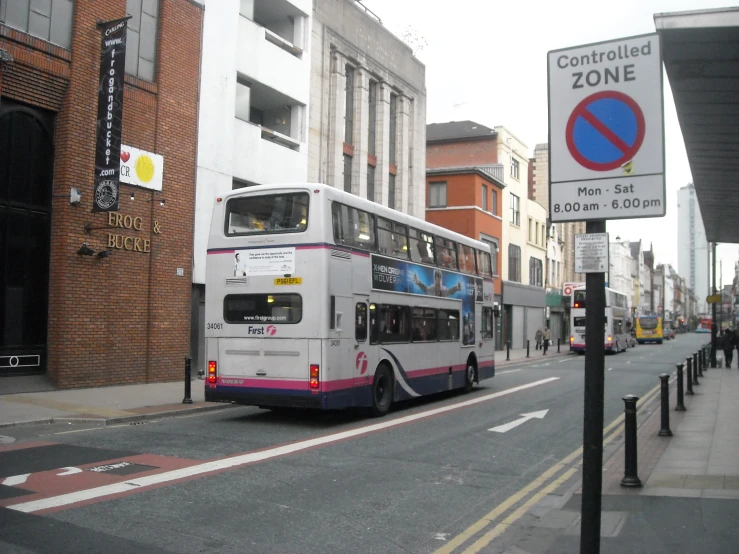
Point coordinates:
[[110, 116]]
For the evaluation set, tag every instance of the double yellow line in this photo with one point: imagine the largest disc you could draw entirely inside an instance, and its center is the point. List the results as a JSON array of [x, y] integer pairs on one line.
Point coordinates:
[[615, 428]]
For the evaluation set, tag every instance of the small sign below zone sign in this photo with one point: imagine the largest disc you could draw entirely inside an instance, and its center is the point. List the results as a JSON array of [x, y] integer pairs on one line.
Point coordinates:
[[289, 281]]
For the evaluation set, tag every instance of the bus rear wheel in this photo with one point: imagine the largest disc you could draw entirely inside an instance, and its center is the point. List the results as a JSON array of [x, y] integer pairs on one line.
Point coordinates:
[[469, 376], [382, 391]]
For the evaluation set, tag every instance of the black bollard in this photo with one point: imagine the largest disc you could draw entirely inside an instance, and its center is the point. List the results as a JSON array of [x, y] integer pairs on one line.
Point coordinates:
[[665, 425], [695, 371], [697, 363], [689, 377], [680, 401], [704, 353], [507, 351], [558, 345], [631, 479], [188, 383], [528, 346]]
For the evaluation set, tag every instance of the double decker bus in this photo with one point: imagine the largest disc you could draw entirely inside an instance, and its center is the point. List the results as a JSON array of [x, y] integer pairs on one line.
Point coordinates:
[[649, 329], [704, 325], [616, 325], [318, 298]]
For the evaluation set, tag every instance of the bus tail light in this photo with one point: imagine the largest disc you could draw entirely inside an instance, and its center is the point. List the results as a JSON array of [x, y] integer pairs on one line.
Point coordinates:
[[610, 339], [314, 376], [212, 372], [572, 339]]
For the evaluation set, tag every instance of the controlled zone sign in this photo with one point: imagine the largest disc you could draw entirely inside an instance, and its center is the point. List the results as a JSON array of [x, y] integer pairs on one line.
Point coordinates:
[[606, 131]]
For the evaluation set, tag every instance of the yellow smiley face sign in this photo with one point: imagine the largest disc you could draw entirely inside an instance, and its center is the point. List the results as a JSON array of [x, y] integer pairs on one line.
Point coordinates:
[[141, 168]]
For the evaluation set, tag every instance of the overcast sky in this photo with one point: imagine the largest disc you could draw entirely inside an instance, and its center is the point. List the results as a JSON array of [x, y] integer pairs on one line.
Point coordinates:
[[486, 60]]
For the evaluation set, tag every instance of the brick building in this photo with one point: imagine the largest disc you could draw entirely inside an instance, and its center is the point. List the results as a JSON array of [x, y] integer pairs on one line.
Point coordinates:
[[522, 235], [96, 298]]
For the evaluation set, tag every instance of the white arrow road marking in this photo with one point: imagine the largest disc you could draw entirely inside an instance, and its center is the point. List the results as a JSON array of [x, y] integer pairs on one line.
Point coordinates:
[[610, 368], [16, 479], [69, 471], [513, 424]]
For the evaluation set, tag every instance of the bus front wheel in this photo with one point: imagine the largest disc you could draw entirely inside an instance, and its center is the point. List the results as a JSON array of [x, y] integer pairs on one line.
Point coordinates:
[[382, 391]]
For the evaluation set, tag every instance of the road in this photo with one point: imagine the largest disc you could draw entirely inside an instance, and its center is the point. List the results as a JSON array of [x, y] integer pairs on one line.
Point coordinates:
[[251, 480]]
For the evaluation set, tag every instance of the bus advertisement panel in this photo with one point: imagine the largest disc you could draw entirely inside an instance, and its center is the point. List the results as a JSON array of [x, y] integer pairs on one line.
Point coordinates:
[[395, 275]]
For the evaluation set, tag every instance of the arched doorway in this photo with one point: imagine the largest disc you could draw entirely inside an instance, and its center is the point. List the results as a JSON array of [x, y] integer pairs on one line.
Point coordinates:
[[26, 171]]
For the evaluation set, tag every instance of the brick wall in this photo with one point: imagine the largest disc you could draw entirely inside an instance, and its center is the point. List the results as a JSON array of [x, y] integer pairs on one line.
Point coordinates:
[[125, 318], [462, 153]]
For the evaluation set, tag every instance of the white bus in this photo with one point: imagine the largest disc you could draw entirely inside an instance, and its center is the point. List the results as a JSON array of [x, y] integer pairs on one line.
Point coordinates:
[[318, 298], [617, 326]]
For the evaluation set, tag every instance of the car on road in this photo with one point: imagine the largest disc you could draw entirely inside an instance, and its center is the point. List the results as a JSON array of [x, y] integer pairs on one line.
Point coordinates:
[[632, 339], [669, 333]]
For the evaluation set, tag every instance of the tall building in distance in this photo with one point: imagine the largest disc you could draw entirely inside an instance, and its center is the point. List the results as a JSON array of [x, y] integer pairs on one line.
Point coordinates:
[[692, 254]]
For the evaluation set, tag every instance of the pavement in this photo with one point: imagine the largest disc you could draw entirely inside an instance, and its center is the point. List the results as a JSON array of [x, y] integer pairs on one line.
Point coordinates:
[[106, 405], [689, 498]]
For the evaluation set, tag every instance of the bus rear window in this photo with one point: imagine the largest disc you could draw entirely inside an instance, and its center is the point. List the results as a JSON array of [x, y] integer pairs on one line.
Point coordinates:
[[267, 213], [579, 322], [648, 322], [263, 308], [578, 300]]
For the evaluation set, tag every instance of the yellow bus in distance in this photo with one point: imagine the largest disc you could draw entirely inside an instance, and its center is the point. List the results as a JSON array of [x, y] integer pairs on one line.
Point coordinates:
[[649, 329]]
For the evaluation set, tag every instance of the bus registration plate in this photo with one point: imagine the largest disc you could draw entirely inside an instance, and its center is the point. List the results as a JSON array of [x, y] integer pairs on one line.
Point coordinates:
[[289, 281]]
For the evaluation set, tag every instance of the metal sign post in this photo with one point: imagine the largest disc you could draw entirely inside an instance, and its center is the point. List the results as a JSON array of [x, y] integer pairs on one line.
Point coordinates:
[[606, 161]]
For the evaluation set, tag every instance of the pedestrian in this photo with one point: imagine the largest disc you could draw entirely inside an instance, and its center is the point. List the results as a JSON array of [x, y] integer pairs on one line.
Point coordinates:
[[537, 338], [547, 338], [727, 343], [735, 338]]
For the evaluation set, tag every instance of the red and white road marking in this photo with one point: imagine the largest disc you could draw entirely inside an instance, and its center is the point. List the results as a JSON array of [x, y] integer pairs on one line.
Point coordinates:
[[129, 486]]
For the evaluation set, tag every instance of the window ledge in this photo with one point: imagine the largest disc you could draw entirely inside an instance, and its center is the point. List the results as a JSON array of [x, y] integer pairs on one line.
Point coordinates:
[[40, 44], [283, 44], [139, 83], [279, 138]]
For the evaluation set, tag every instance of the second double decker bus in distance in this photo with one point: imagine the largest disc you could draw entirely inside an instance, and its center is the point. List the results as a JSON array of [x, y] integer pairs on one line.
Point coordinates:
[[704, 325], [319, 298], [649, 329], [616, 324]]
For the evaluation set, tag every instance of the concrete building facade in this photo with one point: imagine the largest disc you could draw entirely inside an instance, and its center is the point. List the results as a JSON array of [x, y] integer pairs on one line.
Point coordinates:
[[367, 127]]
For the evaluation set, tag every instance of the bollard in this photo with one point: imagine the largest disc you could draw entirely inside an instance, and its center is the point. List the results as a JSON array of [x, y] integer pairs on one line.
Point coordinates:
[[507, 351], [698, 363], [188, 381], [557, 345], [704, 350], [689, 377], [631, 479], [528, 345], [680, 401], [665, 425], [695, 371]]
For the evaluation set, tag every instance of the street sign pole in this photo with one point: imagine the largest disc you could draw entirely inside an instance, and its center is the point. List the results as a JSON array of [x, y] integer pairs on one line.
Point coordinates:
[[606, 161], [592, 456]]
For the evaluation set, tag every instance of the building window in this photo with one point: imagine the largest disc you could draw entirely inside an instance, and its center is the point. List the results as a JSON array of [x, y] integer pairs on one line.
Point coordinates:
[[531, 230], [391, 192], [494, 202], [141, 42], [372, 118], [371, 183], [349, 114], [515, 210], [393, 126], [50, 20], [514, 168], [437, 195], [514, 263], [243, 99], [492, 242], [484, 198], [535, 272], [347, 173]]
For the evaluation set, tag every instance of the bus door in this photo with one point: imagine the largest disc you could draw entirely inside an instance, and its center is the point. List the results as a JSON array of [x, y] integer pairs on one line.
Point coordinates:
[[364, 356]]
